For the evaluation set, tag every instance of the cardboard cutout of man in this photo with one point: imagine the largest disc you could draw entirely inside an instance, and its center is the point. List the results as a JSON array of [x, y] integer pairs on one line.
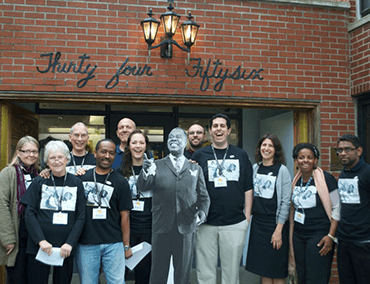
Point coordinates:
[[180, 200]]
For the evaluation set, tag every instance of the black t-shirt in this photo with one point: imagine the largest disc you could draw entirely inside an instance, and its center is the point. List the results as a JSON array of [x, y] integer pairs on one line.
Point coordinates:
[[87, 162], [227, 203], [316, 220], [43, 201], [265, 198], [28, 178], [354, 191], [140, 221], [114, 196], [188, 153]]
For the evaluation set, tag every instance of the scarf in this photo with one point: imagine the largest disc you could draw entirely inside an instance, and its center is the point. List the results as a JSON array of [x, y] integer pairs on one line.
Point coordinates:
[[21, 184], [323, 192]]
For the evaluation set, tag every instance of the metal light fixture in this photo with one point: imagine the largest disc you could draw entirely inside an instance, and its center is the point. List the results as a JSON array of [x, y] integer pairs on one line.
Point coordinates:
[[170, 20]]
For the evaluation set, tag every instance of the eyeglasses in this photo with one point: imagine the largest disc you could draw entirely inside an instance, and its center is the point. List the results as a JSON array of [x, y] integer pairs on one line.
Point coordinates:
[[76, 135], [53, 159], [347, 150], [197, 132], [27, 152]]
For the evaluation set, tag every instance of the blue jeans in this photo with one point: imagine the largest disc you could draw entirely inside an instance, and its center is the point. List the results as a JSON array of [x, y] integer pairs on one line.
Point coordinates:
[[89, 258]]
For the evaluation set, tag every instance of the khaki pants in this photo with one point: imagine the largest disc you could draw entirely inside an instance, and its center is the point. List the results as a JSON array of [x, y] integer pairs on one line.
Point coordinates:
[[225, 241]]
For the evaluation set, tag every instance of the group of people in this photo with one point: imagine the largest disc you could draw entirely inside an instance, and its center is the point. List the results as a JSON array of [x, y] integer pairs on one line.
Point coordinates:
[[95, 207]]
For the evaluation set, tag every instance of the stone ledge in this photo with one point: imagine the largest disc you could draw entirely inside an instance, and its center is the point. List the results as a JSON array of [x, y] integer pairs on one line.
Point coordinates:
[[317, 3]]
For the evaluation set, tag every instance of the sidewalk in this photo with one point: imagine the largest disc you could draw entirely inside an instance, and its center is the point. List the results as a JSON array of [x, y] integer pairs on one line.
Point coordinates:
[[245, 277]]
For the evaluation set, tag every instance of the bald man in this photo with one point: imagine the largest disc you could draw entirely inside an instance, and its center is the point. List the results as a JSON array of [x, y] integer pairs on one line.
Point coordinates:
[[196, 137], [124, 128], [81, 159]]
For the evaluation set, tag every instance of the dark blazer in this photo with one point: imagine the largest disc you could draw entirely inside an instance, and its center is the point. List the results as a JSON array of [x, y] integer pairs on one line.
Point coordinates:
[[176, 196]]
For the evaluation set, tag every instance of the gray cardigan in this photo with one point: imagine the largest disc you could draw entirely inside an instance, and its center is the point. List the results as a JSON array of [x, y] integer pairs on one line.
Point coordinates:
[[9, 222], [283, 190]]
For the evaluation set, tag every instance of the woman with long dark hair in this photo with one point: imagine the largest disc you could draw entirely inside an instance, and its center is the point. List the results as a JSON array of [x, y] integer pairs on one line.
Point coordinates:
[[268, 243], [140, 215], [314, 216], [14, 181]]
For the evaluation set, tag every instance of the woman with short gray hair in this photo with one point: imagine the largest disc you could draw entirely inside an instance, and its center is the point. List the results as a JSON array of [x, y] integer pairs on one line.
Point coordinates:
[[55, 216]]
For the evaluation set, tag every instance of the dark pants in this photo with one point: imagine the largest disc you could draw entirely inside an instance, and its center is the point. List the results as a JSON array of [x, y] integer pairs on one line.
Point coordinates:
[[17, 274], [353, 262], [181, 247], [38, 273], [142, 270], [312, 268]]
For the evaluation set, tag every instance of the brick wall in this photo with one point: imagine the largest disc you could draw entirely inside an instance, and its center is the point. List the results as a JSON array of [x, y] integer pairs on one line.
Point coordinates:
[[359, 58]]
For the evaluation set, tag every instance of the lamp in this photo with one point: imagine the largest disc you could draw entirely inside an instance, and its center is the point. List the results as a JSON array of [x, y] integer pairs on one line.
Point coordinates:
[[170, 20]]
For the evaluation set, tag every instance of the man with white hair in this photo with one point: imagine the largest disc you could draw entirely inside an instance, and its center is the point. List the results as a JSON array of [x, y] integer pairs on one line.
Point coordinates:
[[81, 159]]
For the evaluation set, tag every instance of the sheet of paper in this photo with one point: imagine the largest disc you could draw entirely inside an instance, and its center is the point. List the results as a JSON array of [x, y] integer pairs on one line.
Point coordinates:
[[138, 253], [54, 259], [171, 273]]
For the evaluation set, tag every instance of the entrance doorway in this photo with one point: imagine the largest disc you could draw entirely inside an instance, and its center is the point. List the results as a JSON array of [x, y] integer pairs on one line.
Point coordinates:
[[155, 126]]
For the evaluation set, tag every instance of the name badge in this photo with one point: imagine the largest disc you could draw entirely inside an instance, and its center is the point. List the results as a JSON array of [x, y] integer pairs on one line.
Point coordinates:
[[220, 181], [299, 217], [137, 205], [99, 213], [60, 218]]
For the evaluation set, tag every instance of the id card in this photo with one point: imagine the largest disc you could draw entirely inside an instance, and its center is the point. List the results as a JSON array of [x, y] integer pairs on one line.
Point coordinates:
[[137, 205], [99, 213], [220, 181], [299, 217], [60, 218]]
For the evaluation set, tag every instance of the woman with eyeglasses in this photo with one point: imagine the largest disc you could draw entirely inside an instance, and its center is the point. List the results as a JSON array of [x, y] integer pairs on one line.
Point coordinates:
[[268, 242], [14, 181], [140, 215], [55, 216], [314, 216]]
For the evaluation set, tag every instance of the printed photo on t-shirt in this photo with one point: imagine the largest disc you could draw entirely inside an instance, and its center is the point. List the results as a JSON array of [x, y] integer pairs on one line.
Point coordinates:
[[348, 190], [27, 180], [65, 197], [304, 198], [264, 186], [230, 169], [100, 197], [72, 169]]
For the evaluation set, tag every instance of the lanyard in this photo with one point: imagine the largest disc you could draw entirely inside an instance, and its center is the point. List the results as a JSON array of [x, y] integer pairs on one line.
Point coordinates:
[[98, 192], [219, 167], [56, 192], [74, 162], [138, 193], [306, 187]]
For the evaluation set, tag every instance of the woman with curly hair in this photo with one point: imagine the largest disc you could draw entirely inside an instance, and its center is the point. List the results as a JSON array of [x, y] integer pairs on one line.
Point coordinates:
[[314, 216], [268, 243]]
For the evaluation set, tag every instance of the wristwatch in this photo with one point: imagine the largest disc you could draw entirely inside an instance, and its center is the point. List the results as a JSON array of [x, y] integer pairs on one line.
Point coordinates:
[[126, 247]]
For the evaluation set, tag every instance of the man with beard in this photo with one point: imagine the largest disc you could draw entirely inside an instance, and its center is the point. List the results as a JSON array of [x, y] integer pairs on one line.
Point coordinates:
[[105, 238], [196, 138], [354, 226], [179, 198]]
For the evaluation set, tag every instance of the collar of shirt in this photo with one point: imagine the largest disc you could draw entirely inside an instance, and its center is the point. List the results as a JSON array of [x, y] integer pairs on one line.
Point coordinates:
[[181, 160], [118, 150], [358, 166]]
